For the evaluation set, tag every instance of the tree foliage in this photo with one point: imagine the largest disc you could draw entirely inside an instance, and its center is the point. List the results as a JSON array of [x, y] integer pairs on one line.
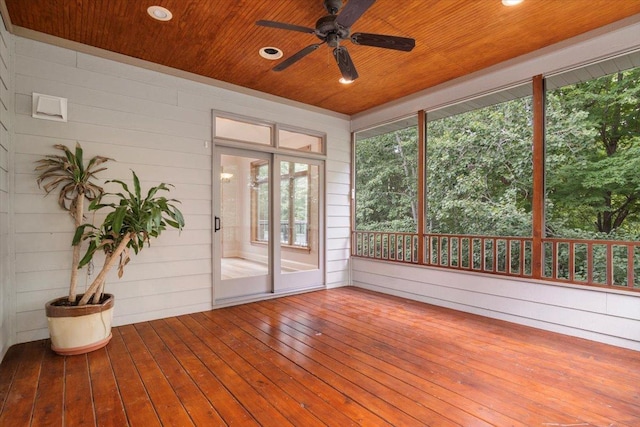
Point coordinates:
[[593, 157], [479, 167], [479, 171], [386, 181]]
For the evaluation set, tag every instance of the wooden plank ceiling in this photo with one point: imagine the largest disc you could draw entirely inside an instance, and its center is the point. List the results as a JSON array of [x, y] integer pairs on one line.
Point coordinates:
[[219, 39]]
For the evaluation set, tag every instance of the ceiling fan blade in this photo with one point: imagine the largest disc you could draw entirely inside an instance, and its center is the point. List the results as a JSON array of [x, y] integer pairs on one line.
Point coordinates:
[[284, 26], [296, 57], [387, 42], [347, 68], [352, 11]]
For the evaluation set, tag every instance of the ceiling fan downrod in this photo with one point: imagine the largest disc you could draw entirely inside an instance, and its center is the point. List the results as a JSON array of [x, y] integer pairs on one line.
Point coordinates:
[[333, 6]]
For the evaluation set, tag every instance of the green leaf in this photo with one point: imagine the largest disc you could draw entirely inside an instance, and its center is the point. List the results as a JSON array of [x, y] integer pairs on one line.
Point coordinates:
[[178, 217], [136, 184], [78, 158], [88, 256], [118, 219], [77, 237]]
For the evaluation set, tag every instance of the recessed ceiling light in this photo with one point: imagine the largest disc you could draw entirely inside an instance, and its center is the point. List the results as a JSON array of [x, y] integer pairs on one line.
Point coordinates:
[[159, 13], [271, 53], [511, 2]]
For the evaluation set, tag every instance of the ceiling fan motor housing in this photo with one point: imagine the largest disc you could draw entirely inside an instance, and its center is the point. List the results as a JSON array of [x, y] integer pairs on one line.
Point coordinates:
[[327, 30]]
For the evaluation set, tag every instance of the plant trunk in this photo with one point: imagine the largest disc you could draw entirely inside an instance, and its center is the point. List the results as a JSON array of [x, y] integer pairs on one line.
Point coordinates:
[[98, 295], [77, 217], [108, 264]]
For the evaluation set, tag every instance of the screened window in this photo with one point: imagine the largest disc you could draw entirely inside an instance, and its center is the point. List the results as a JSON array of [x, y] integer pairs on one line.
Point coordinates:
[[386, 165], [479, 201], [479, 166], [593, 152]]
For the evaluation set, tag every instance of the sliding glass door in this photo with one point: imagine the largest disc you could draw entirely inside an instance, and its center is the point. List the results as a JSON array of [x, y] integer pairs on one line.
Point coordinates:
[[268, 224]]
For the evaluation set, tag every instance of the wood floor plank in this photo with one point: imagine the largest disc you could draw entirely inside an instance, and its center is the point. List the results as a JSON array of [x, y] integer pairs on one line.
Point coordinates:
[[194, 401], [18, 407], [336, 398], [106, 396], [227, 348], [232, 412], [262, 409], [430, 369], [356, 385], [78, 399], [170, 410], [135, 399], [546, 369], [337, 357], [48, 408], [403, 395], [8, 370], [571, 383], [548, 346], [261, 358]]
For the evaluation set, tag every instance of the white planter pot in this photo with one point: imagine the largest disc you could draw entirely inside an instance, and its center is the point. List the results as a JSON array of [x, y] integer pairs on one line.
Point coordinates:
[[79, 329]]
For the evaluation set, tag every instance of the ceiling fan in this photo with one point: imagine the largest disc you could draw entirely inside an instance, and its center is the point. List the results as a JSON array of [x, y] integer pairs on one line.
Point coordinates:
[[334, 28]]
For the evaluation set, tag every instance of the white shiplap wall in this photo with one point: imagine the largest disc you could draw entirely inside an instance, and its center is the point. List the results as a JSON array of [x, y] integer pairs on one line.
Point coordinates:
[[610, 317], [6, 282], [160, 126]]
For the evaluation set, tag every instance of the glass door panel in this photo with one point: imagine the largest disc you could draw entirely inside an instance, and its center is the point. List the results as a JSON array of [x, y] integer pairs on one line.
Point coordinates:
[[299, 244], [242, 228]]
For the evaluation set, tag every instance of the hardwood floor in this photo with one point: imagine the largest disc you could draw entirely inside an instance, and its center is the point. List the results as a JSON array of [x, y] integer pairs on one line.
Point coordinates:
[[338, 357]]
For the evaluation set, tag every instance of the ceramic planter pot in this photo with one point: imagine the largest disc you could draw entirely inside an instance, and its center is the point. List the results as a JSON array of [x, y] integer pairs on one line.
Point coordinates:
[[79, 329]]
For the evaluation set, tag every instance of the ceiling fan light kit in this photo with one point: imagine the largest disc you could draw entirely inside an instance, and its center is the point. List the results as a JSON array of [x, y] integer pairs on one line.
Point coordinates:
[[333, 29]]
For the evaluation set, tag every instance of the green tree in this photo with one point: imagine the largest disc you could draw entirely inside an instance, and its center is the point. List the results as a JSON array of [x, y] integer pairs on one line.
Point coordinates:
[[479, 171], [593, 157], [386, 181]]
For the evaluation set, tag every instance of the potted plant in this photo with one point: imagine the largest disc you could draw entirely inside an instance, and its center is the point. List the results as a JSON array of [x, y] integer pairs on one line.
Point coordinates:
[[81, 325], [69, 173]]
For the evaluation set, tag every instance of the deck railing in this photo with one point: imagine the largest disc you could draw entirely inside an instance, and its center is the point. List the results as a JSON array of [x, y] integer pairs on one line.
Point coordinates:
[[603, 263], [300, 230]]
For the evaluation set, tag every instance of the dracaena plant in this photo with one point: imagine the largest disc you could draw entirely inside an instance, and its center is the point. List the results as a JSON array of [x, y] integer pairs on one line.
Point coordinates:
[[69, 173], [132, 222]]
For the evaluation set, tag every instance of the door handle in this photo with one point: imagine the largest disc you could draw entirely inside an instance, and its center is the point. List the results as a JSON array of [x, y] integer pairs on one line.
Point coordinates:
[[216, 224]]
